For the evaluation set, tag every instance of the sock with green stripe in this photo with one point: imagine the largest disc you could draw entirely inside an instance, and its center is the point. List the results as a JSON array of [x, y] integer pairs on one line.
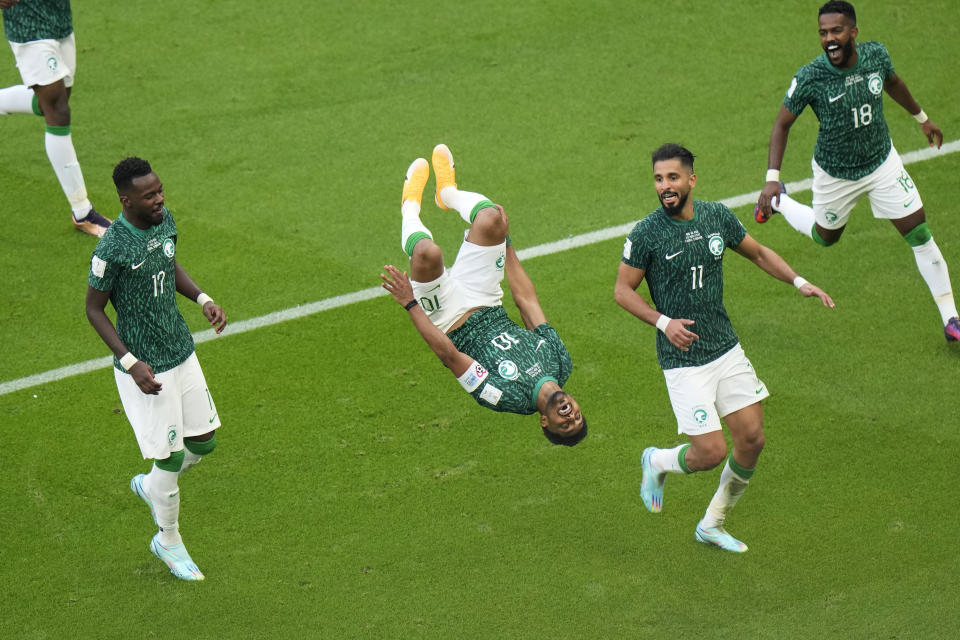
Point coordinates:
[[670, 460], [63, 158], [161, 485], [412, 229], [933, 268], [733, 482], [467, 203]]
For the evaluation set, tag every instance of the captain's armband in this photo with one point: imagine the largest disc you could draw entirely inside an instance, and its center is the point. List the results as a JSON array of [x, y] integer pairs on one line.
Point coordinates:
[[473, 377]]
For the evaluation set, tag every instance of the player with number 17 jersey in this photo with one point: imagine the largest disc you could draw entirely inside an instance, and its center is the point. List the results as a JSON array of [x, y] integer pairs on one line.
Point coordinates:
[[137, 267], [683, 263]]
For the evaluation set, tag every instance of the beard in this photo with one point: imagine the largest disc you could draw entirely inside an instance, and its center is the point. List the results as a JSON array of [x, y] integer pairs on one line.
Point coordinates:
[[846, 52], [677, 208]]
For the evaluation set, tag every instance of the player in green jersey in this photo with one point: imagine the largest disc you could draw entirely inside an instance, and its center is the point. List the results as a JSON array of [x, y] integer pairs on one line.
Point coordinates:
[[40, 33], [854, 155], [458, 311], [161, 384], [678, 249]]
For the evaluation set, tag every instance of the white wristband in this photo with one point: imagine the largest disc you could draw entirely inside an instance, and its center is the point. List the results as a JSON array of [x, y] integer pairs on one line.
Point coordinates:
[[799, 282], [128, 360], [203, 299], [921, 117], [773, 175], [662, 322]]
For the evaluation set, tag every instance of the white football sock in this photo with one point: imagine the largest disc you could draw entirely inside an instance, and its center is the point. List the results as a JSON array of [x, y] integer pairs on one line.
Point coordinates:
[[16, 99], [933, 268], [162, 488], [800, 216], [462, 201], [410, 225], [667, 460], [731, 488], [190, 460], [63, 158]]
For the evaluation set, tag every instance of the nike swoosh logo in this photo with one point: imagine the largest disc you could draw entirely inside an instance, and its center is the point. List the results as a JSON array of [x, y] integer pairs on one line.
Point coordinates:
[[759, 391], [835, 98], [215, 416], [539, 344], [671, 256], [907, 204], [137, 266], [434, 289]]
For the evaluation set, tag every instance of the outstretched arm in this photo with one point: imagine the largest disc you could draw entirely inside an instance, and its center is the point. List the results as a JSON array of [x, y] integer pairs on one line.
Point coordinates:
[[142, 373], [768, 260], [188, 288], [625, 293], [523, 292], [897, 89], [397, 283], [778, 146]]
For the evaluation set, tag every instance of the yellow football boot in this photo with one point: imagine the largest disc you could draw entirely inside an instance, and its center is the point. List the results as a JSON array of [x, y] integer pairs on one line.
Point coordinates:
[[443, 171], [415, 181]]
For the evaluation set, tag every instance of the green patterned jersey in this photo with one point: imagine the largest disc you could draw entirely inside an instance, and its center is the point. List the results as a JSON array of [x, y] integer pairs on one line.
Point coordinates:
[[517, 361], [30, 20], [137, 267], [682, 262], [853, 139]]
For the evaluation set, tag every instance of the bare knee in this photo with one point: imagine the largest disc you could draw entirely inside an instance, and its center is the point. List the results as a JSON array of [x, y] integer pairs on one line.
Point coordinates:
[[490, 225], [706, 455], [426, 263]]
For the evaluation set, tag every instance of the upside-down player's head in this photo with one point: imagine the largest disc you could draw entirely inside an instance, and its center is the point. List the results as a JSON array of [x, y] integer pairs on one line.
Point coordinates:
[[561, 420]]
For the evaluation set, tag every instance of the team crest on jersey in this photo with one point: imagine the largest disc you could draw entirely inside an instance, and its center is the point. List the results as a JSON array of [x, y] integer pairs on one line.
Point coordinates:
[[52, 63], [500, 261], [715, 244], [830, 216], [875, 84], [171, 436], [700, 415], [169, 248], [508, 370]]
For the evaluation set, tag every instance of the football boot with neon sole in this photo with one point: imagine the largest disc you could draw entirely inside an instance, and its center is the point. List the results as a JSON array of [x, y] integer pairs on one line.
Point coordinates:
[[92, 223], [719, 538], [759, 215], [416, 181], [177, 558], [442, 161], [651, 483], [952, 330], [136, 485]]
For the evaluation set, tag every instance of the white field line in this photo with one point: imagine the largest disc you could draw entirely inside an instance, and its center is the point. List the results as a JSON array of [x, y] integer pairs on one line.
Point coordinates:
[[301, 311]]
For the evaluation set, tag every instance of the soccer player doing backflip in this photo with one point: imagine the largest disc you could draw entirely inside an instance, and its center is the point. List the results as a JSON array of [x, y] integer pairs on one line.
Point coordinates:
[[458, 311]]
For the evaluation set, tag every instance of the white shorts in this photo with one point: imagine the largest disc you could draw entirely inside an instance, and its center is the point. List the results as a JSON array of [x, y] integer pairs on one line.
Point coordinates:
[[183, 408], [43, 62], [473, 281], [890, 188], [702, 395]]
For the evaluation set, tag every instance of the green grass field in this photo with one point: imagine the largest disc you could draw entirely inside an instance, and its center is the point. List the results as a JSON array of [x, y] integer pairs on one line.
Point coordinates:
[[356, 492]]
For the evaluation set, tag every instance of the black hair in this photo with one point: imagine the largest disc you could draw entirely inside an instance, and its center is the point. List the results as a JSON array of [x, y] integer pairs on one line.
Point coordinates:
[[128, 169], [567, 442], [839, 6], [670, 151]]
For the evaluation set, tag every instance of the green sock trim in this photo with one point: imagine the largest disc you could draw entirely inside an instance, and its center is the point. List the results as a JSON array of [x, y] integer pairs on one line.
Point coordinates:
[[816, 237], [35, 105], [200, 448], [919, 235], [58, 131], [171, 464], [483, 204], [682, 459], [743, 472], [412, 241], [507, 239]]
